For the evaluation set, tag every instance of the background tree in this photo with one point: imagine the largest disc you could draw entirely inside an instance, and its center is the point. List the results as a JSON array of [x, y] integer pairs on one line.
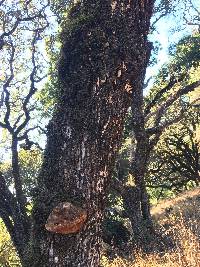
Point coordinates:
[[23, 25], [176, 164], [151, 116], [29, 164]]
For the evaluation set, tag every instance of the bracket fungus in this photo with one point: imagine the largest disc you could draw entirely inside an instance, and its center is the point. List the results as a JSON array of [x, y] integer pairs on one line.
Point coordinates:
[[66, 218]]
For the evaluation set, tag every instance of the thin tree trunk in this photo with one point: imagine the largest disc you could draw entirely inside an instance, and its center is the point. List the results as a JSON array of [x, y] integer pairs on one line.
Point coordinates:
[[104, 51], [20, 229], [136, 199], [139, 170], [142, 150], [132, 207]]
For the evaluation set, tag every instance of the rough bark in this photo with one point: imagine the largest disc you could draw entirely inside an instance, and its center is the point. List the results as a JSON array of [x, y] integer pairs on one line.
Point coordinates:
[[139, 169], [17, 225], [140, 156], [132, 207], [135, 198], [13, 205], [104, 52]]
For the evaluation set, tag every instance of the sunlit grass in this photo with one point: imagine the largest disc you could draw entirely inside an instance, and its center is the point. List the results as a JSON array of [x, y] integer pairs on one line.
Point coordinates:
[[182, 226], [185, 252]]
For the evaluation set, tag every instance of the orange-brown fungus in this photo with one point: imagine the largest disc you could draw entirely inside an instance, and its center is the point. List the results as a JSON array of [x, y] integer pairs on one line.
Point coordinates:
[[66, 218]]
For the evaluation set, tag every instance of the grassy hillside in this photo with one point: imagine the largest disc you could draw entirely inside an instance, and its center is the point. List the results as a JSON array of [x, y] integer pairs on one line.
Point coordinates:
[[178, 223], [187, 203], [177, 245]]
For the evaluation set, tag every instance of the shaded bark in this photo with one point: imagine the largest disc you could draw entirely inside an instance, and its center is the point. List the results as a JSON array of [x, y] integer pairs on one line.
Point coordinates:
[[132, 207], [140, 157], [104, 52], [135, 198], [17, 225], [138, 170]]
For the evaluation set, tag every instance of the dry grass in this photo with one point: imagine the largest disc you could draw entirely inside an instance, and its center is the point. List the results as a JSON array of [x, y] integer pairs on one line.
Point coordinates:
[[182, 225], [184, 201]]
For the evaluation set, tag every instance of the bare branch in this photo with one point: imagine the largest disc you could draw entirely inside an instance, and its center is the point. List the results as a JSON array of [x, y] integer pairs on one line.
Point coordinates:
[[158, 130], [157, 19], [6, 123], [16, 24], [32, 89], [193, 20], [162, 108], [7, 220], [1, 2], [161, 92], [7, 199], [147, 83]]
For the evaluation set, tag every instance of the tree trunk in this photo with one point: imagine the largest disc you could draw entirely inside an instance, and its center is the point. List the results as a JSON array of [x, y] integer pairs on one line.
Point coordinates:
[[141, 153], [132, 207], [139, 169], [140, 217], [104, 51], [13, 205], [136, 199]]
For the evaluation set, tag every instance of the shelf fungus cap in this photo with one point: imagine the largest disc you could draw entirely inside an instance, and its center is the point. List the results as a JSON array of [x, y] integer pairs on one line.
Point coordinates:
[[66, 218]]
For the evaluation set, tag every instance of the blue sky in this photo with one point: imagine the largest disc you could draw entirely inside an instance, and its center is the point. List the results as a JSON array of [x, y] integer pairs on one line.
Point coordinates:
[[169, 30]]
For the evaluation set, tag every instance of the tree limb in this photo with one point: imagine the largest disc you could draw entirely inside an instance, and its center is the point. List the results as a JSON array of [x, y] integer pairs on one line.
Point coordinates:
[[162, 109], [160, 93]]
